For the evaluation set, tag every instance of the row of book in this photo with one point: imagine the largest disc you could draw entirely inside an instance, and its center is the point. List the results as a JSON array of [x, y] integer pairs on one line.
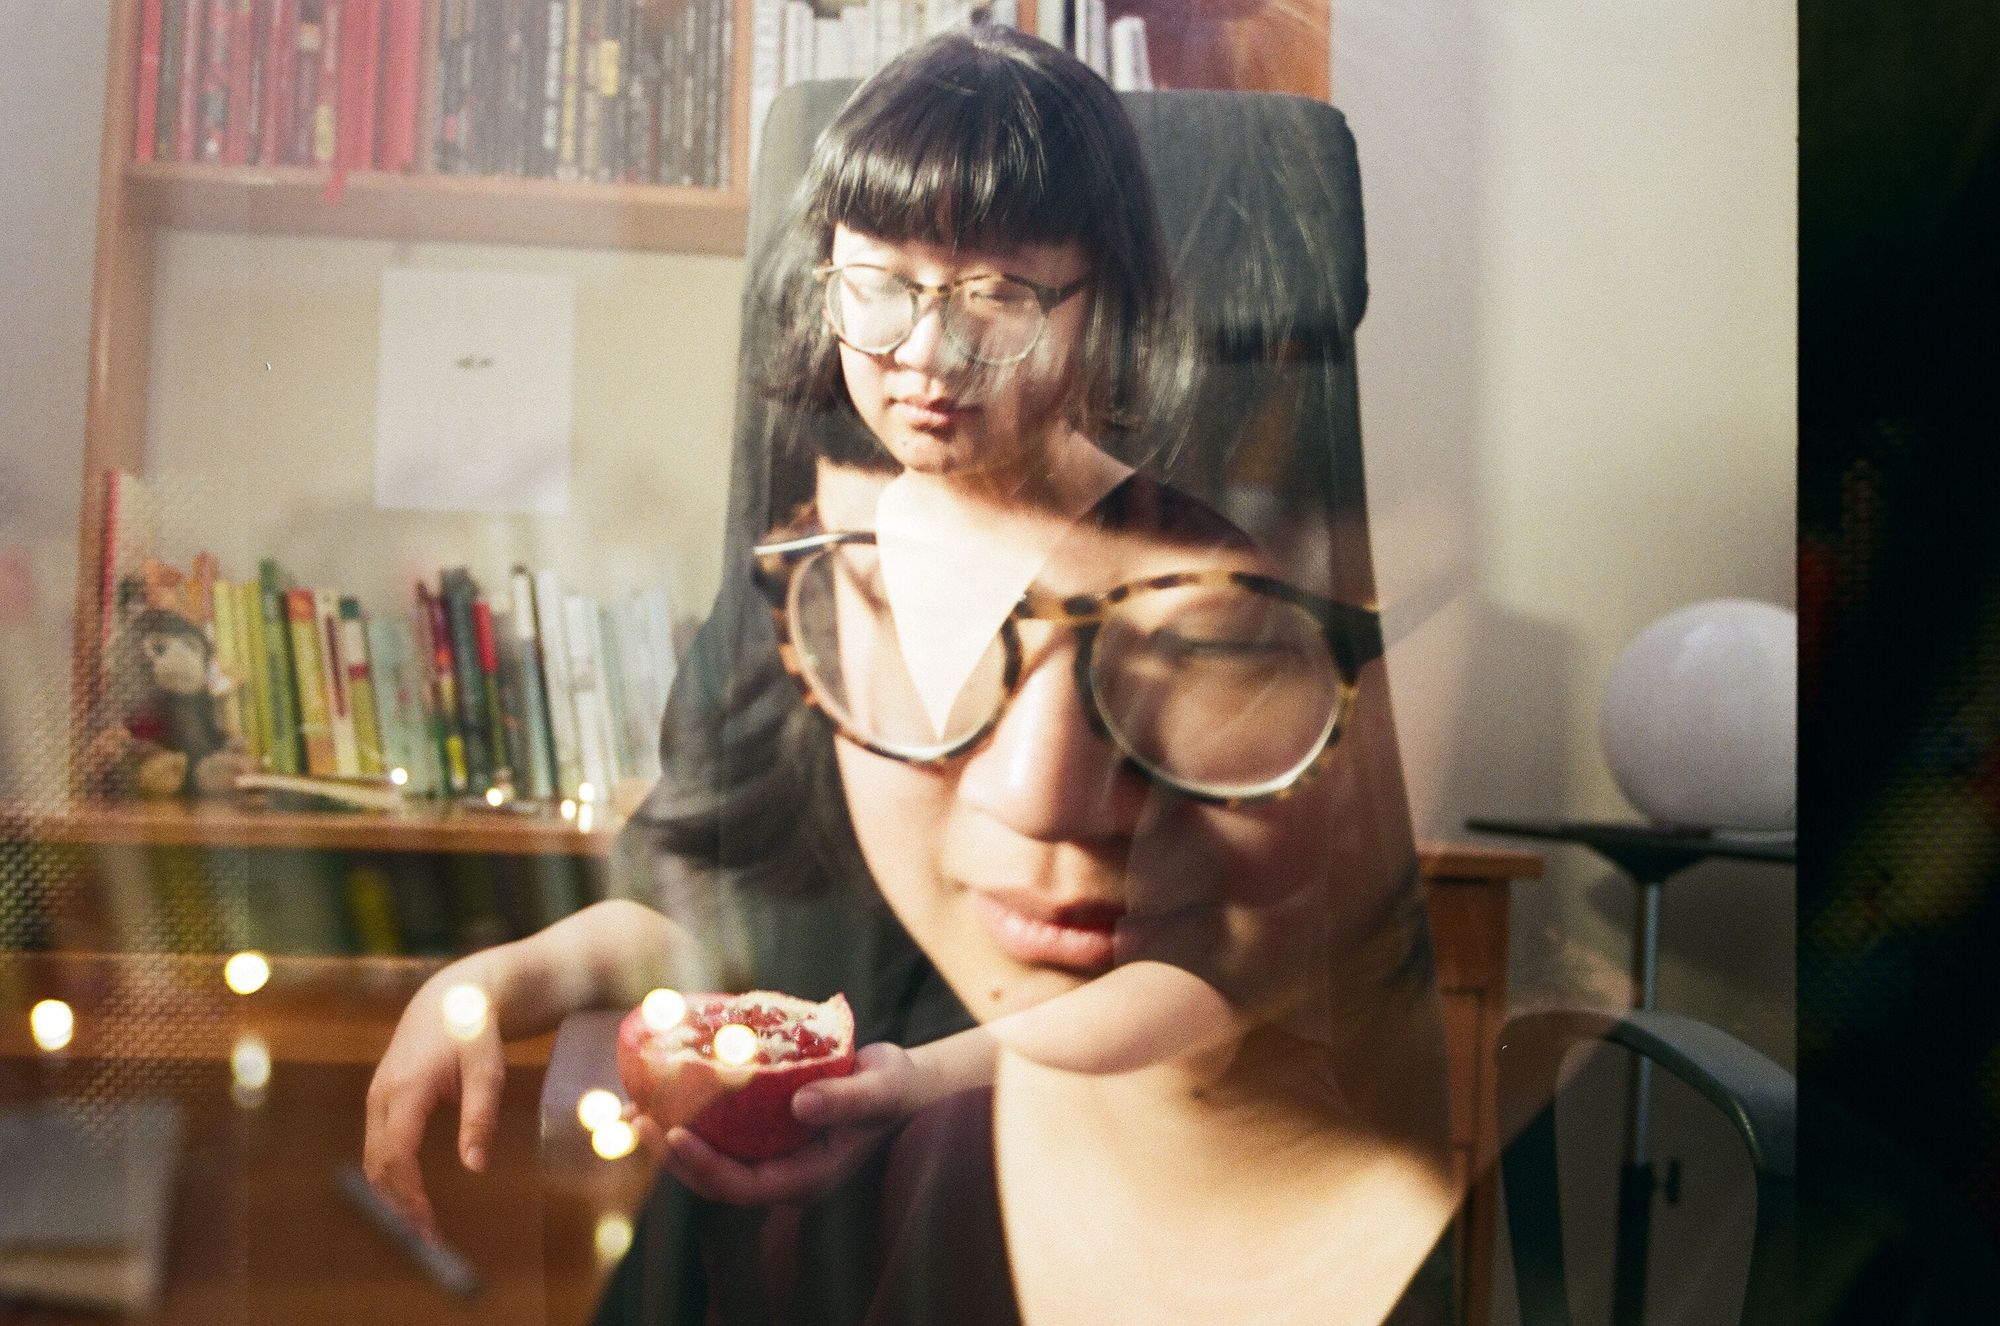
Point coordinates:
[[631, 91], [298, 901], [538, 691]]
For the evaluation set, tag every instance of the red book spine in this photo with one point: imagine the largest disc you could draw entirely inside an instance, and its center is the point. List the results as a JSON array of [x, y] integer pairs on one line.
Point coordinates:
[[242, 70], [187, 119], [402, 81], [147, 95], [281, 36], [326, 84], [361, 43]]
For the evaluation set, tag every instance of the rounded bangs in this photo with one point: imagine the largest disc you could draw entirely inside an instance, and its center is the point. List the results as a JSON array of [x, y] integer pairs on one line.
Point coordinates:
[[962, 161]]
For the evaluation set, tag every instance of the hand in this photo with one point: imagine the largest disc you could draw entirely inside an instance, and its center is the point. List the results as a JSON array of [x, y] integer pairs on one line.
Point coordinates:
[[856, 1112], [426, 1064]]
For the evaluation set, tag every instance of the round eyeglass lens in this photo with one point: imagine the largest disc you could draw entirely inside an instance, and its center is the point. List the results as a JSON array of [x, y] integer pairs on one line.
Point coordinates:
[[1223, 689], [844, 635], [870, 308], [995, 320]]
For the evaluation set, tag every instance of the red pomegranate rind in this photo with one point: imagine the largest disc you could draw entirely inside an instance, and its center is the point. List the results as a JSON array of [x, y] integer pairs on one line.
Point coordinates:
[[673, 1077]]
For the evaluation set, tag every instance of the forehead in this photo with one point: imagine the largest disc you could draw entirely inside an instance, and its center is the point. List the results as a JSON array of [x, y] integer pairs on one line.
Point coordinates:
[[1051, 264]]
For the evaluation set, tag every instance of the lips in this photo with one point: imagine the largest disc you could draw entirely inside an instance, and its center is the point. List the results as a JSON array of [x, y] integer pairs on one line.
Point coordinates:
[[1076, 937], [930, 412]]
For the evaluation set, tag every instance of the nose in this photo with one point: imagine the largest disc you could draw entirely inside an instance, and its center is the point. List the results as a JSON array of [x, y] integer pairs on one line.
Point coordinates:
[[924, 348], [1045, 772]]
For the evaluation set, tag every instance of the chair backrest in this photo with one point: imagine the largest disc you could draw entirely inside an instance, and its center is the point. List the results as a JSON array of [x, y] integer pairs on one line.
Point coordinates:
[[1755, 1096]]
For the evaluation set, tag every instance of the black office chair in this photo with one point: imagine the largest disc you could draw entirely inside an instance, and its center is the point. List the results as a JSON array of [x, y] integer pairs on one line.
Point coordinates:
[[1756, 1097]]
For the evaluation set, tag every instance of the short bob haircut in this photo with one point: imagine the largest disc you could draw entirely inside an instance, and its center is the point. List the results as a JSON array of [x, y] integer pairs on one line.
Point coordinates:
[[983, 137]]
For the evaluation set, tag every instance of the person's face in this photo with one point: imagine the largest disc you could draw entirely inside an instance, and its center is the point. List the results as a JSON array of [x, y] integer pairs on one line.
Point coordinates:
[[1035, 862], [935, 410]]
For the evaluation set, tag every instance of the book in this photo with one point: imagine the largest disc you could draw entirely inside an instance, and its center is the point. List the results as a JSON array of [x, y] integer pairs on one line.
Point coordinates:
[[400, 712], [360, 71], [435, 635], [340, 705], [166, 107], [284, 730], [537, 743], [310, 37], [310, 675], [326, 86], [551, 630], [456, 594], [361, 688], [239, 113], [187, 79], [146, 93], [1131, 67], [596, 743], [256, 682], [219, 25], [548, 132], [402, 83], [314, 792], [493, 714], [568, 120], [88, 1198], [274, 123], [371, 911]]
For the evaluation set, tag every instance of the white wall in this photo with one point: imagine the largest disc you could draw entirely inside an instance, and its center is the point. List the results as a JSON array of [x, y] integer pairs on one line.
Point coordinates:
[[1577, 393]]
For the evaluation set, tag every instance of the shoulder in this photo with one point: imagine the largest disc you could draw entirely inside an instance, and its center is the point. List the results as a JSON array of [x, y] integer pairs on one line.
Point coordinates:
[[1143, 505]]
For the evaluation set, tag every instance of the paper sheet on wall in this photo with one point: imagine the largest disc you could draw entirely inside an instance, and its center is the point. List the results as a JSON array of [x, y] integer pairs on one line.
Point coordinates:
[[472, 394]]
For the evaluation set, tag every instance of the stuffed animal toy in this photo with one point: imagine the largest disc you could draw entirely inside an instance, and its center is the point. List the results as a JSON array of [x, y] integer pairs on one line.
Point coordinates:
[[171, 734]]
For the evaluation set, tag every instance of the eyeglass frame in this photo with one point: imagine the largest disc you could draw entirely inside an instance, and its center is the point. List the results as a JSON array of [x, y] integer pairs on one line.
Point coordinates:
[[1047, 297], [1353, 635]]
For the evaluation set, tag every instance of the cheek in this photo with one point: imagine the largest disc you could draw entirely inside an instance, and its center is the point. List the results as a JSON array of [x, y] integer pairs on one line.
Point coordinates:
[[899, 812]]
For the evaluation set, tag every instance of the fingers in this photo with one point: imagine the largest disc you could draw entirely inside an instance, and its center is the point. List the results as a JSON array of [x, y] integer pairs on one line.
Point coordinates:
[[802, 1174], [482, 1072], [397, 1111], [877, 1091]]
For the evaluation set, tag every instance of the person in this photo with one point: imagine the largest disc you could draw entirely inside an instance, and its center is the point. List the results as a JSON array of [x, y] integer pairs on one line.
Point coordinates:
[[1124, 772]]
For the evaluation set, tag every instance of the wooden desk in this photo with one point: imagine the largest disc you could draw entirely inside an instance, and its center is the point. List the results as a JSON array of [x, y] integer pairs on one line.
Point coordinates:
[[260, 1233]]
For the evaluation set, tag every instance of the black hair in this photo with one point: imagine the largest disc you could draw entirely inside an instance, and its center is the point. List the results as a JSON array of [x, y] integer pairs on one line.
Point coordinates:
[[981, 137]]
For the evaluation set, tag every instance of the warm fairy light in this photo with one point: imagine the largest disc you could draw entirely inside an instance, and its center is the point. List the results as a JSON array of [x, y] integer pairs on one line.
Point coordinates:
[[250, 1063], [246, 972], [663, 1008], [568, 808], [614, 1236], [598, 1108], [614, 1140], [465, 1012], [586, 792], [495, 797], [735, 1045], [584, 815], [399, 776], [52, 1024]]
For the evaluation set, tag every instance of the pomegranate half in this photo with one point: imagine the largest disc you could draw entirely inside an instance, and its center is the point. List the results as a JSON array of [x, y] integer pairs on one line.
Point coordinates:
[[672, 1074]]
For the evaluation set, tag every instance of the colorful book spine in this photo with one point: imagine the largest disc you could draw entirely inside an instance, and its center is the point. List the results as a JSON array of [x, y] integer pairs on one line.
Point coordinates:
[[572, 89], [309, 679], [435, 635], [361, 695], [340, 705], [552, 631], [217, 35], [493, 712], [402, 82], [146, 93], [256, 682], [360, 58], [548, 123], [371, 912], [458, 592], [306, 47], [284, 730], [538, 748], [239, 113], [187, 80], [166, 106], [281, 37], [326, 86]]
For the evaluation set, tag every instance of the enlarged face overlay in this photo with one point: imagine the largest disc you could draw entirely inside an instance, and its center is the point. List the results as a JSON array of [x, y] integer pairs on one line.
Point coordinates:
[[936, 409], [1041, 859]]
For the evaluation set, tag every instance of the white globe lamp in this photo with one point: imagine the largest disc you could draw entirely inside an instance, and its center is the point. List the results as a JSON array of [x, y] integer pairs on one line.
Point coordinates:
[[1700, 726]]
